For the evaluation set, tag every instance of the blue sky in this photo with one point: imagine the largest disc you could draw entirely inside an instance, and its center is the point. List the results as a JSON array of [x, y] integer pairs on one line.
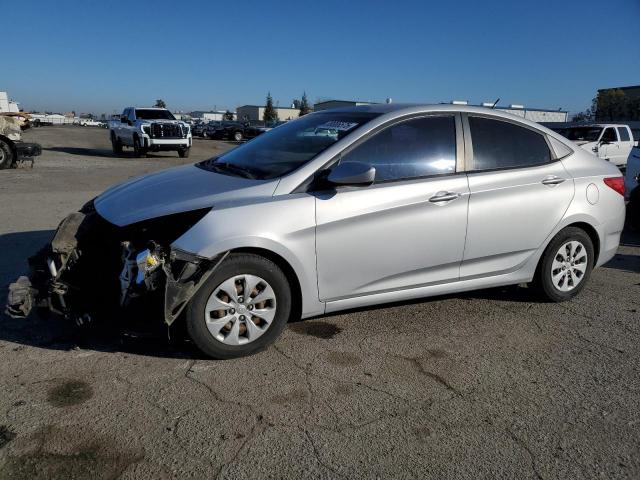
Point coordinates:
[[99, 56]]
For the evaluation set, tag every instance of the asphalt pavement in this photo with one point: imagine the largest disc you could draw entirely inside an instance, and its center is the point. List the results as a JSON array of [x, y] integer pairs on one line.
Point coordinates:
[[488, 384]]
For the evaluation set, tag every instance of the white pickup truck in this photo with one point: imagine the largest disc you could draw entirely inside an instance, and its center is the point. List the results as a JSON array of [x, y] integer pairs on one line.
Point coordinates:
[[612, 142], [150, 130]]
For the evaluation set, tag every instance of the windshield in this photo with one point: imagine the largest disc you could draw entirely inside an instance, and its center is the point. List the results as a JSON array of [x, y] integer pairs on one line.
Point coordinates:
[[288, 147], [587, 134], [153, 114]]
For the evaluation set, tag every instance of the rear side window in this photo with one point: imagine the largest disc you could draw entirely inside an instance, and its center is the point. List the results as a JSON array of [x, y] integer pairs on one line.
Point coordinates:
[[624, 134], [609, 135], [498, 144], [414, 148]]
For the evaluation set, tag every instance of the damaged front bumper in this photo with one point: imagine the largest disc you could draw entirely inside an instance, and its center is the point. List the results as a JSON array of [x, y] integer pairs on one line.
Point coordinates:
[[93, 268]]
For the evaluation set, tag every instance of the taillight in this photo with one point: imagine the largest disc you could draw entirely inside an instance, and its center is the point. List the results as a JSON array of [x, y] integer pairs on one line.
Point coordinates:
[[616, 183]]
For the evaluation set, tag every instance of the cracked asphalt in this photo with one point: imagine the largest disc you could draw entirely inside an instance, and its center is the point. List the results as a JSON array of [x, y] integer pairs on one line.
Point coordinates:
[[489, 384]]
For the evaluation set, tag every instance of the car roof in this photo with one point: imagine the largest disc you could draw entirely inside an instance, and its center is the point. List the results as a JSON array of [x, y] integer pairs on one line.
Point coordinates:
[[395, 110]]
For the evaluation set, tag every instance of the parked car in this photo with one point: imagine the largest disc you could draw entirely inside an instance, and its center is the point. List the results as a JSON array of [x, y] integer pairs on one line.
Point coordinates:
[[252, 130], [612, 142], [150, 130], [404, 202], [198, 129], [226, 131], [13, 151], [87, 122]]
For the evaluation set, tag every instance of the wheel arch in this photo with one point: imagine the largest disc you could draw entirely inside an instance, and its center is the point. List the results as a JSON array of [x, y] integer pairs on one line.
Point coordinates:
[[593, 235], [287, 269], [11, 143]]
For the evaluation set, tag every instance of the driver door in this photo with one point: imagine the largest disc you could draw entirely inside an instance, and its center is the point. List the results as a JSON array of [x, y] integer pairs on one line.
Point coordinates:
[[610, 149], [408, 228]]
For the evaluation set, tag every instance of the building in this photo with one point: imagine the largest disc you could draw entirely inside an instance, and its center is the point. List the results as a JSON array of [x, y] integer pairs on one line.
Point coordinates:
[[630, 92], [253, 113], [7, 105], [533, 114], [210, 116], [52, 119], [339, 104]]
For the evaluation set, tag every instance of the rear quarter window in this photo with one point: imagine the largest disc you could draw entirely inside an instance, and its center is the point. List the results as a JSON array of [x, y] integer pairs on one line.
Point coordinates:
[[498, 144]]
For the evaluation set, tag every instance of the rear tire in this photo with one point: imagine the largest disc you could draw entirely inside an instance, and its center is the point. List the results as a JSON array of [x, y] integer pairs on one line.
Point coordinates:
[[200, 320], [565, 266], [6, 155], [184, 152], [237, 136]]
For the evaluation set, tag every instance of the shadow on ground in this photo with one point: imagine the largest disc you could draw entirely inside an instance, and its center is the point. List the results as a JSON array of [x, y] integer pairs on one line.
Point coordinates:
[[95, 152]]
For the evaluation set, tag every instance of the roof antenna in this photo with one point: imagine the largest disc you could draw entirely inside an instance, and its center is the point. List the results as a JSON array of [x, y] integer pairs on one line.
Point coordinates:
[[495, 103]]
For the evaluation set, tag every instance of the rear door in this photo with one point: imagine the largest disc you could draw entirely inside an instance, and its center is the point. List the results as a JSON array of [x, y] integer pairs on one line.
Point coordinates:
[[518, 193], [405, 230]]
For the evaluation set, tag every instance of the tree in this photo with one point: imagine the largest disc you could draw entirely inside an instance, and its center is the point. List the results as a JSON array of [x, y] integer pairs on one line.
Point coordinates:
[[270, 114], [613, 105], [304, 105], [160, 104], [228, 116], [585, 116]]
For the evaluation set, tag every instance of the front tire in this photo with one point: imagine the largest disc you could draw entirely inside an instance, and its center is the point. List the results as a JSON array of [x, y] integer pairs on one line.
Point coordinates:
[[138, 150], [565, 266], [237, 136], [241, 309], [116, 145], [6, 155]]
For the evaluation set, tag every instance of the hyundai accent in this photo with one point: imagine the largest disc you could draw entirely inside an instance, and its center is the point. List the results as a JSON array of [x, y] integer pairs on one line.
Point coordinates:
[[339, 209]]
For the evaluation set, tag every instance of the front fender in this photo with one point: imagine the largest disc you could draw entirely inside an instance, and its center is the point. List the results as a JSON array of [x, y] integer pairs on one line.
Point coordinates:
[[282, 225]]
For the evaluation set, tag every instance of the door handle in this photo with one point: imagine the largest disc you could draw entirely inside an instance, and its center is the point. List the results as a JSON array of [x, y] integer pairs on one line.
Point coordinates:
[[552, 180], [444, 197]]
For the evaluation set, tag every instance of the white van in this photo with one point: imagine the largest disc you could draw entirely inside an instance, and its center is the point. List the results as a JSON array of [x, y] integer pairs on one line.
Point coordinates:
[[612, 142]]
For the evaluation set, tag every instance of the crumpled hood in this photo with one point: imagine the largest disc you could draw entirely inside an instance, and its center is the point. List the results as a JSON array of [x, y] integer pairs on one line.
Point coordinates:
[[175, 190]]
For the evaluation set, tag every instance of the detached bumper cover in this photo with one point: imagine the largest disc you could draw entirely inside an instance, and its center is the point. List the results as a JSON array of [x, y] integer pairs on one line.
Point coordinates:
[[28, 150]]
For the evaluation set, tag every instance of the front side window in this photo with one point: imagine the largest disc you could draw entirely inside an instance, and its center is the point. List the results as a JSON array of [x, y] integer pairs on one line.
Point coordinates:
[[414, 148], [624, 134], [498, 144], [609, 135]]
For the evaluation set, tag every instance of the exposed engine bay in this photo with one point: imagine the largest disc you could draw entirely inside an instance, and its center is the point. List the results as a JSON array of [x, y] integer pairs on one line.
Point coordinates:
[[93, 268]]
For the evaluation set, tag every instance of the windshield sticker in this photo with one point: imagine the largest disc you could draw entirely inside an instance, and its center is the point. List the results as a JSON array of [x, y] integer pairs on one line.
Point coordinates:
[[337, 125]]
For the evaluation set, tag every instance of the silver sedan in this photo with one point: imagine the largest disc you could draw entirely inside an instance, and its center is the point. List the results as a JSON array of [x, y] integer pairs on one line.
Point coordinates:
[[398, 202]]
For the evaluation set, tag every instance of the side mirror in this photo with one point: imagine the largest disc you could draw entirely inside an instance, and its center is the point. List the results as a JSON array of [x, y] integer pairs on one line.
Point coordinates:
[[352, 173]]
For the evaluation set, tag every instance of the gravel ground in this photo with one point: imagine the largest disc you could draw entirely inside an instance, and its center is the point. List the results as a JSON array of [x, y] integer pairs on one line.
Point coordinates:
[[483, 385]]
